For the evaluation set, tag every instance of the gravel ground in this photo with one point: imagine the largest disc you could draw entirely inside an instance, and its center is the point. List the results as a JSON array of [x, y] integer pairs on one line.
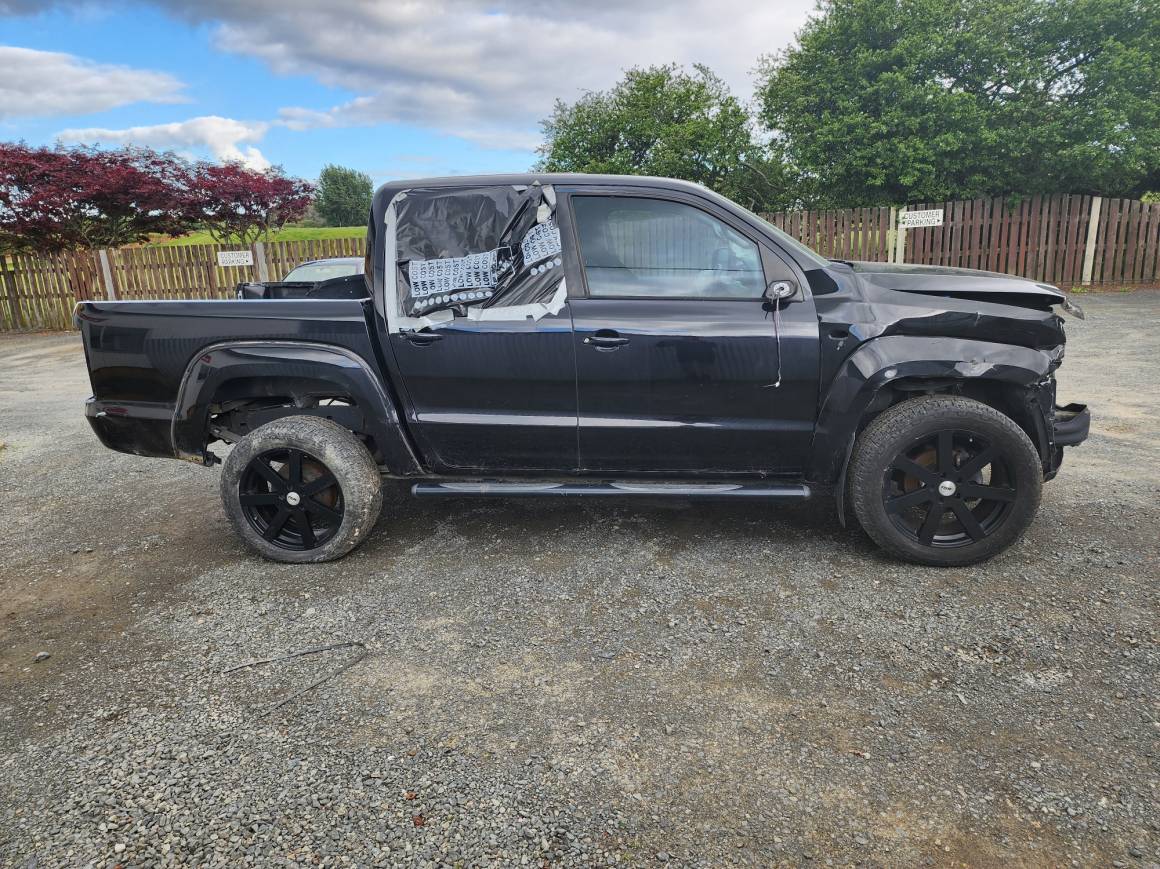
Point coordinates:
[[580, 684]]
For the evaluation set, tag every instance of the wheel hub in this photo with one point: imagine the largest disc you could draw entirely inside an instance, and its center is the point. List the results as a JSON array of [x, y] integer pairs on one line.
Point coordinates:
[[294, 499], [946, 488]]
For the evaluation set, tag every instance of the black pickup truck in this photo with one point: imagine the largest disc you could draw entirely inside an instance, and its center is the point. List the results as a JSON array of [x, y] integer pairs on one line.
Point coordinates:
[[577, 335]]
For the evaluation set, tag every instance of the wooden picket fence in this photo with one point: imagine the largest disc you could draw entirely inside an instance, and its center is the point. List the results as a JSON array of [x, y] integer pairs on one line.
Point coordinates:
[[1064, 240], [849, 233], [1045, 238], [39, 293]]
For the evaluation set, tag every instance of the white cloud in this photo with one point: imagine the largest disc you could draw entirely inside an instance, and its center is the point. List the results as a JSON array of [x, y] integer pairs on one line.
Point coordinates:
[[488, 70], [224, 138], [22, 7], [485, 70], [48, 83]]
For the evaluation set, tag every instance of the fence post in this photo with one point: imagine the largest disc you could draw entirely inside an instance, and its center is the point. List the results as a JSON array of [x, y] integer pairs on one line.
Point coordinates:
[[260, 261], [900, 238], [1089, 250], [13, 301], [107, 275], [891, 231]]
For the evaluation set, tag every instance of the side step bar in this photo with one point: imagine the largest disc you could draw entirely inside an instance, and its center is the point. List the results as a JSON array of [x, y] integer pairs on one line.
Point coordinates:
[[473, 488]]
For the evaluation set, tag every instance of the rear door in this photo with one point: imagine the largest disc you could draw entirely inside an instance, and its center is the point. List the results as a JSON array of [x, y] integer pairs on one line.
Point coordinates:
[[677, 358], [498, 396], [492, 388]]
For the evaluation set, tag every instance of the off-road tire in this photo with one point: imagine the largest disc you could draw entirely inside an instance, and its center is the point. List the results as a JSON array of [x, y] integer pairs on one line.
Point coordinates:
[[322, 441], [886, 440]]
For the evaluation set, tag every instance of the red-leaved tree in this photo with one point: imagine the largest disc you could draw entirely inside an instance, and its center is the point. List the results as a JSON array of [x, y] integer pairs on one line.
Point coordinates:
[[54, 199], [238, 204]]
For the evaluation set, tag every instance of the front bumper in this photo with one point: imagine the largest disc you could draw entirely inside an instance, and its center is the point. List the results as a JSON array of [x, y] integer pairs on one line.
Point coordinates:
[[1068, 427], [1071, 424]]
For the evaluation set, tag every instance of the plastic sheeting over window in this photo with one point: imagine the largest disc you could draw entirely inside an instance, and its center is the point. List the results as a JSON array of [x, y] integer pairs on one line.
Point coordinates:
[[485, 253]]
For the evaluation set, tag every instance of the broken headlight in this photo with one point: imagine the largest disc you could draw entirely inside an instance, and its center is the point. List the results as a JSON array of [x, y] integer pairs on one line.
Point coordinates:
[[1065, 304], [1072, 308]]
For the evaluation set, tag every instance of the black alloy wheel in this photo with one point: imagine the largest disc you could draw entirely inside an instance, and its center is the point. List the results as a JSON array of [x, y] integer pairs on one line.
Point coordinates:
[[950, 488], [291, 499], [301, 490], [944, 480]]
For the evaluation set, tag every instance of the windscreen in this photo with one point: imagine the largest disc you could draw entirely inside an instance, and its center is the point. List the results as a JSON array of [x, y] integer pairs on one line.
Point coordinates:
[[810, 257]]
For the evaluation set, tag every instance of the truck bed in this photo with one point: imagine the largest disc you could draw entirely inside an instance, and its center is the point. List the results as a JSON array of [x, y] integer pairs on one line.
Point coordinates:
[[138, 353]]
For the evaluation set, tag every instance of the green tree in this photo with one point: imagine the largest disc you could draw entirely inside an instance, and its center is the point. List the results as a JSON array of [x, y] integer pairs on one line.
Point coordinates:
[[344, 196], [665, 121], [891, 101]]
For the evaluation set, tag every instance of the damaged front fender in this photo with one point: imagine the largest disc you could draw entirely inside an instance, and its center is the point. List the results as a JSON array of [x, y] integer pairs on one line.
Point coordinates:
[[869, 379]]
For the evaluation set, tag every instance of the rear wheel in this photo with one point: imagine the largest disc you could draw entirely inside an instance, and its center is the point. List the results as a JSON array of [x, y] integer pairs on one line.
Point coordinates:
[[301, 489], [944, 480]]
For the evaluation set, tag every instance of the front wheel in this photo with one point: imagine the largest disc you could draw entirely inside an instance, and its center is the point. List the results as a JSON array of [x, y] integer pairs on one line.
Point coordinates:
[[944, 480], [301, 489]]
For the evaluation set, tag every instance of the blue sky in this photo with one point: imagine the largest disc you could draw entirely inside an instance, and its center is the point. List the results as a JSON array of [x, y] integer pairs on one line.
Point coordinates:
[[393, 89]]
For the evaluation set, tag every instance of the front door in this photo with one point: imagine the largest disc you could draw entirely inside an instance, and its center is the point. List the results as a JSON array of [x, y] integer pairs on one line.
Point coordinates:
[[677, 358]]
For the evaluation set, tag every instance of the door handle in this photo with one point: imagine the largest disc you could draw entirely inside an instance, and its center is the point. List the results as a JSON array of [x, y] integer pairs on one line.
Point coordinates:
[[606, 339], [422, 339]]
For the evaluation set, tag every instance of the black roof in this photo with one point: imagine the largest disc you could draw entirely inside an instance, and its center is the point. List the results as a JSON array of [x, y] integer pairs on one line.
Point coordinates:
[[388, 191]]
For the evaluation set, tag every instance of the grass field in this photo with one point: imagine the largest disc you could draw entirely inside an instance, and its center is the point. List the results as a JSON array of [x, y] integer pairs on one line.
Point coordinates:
[[290, 233]]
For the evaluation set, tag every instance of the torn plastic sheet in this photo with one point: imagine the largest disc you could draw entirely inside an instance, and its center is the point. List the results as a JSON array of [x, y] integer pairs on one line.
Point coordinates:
[[439, 223], [532, 311], [396, 320], [465, 246], [457, 279], [433, 254], [542, 241]]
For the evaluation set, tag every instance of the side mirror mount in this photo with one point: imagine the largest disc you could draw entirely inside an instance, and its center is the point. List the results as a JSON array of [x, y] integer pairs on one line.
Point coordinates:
[[780, 290]]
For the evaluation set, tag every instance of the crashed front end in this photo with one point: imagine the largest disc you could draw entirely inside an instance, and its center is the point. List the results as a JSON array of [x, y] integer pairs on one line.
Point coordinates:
[[993, 337], [1063, 426]]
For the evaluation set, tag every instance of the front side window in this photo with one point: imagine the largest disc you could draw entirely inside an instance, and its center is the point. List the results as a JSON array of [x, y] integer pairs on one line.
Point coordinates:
[[656, 248]]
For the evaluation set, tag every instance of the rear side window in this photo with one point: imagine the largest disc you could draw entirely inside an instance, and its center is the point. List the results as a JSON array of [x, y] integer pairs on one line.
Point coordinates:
[[639, 247]]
